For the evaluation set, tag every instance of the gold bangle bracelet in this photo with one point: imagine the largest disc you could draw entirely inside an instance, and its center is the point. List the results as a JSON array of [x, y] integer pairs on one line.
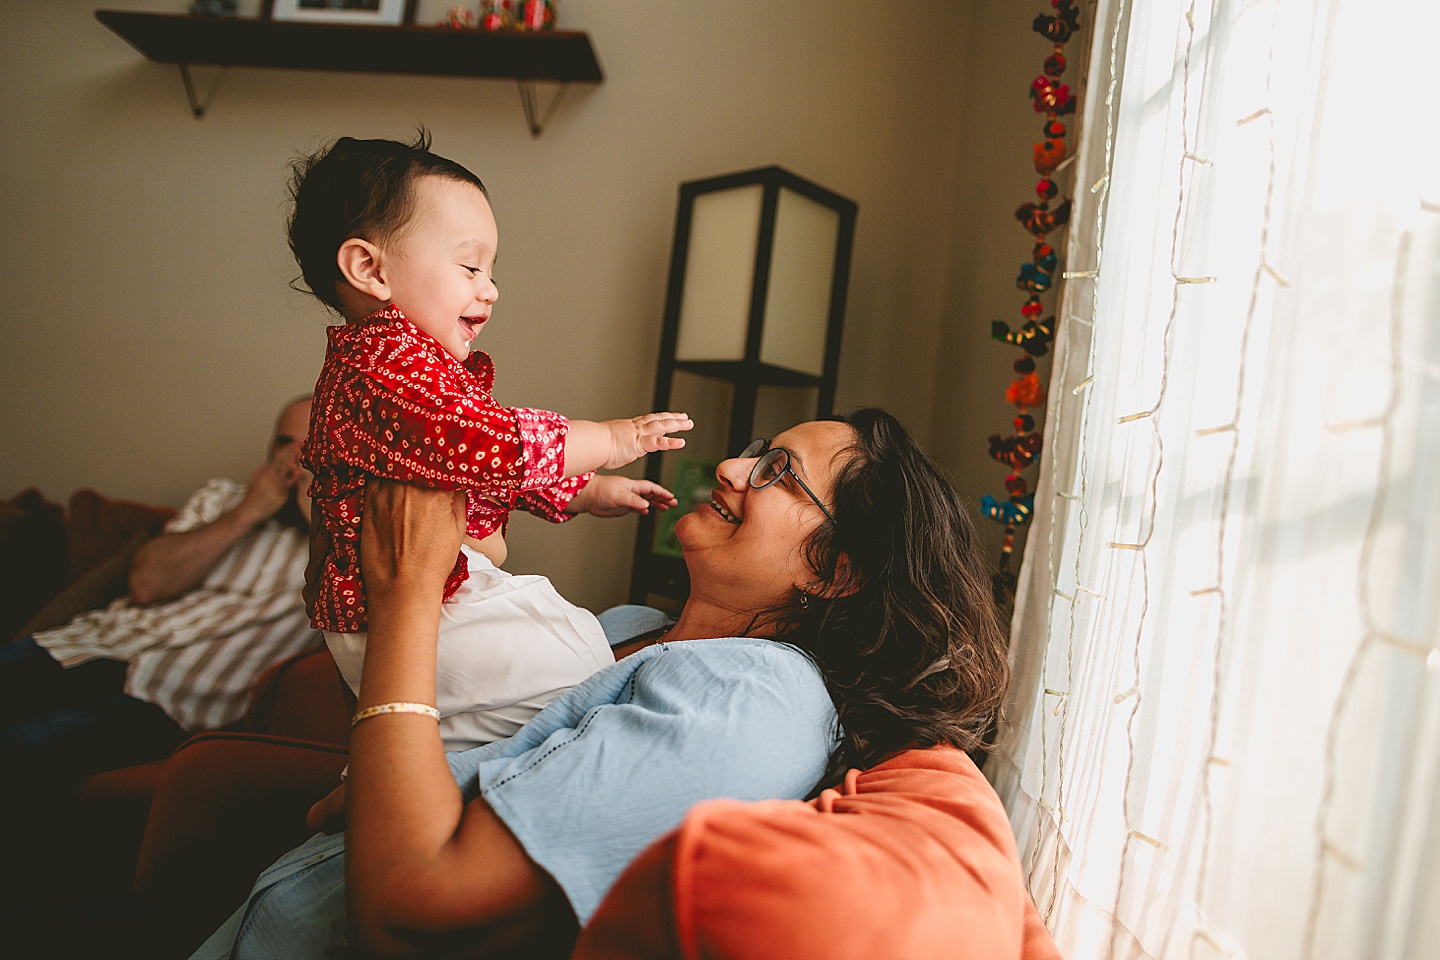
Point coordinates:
[[397, 706]]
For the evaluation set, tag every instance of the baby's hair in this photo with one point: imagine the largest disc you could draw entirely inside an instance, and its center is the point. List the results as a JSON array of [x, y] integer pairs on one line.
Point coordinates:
[[356, 188]]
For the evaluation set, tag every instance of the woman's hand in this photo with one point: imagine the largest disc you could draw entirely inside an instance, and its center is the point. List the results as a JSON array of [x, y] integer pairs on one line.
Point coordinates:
[[410, 538], [327, 815], [418, 861]]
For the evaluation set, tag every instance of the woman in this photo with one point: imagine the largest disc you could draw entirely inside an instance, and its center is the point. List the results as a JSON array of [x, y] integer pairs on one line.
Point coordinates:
[[841, 539]]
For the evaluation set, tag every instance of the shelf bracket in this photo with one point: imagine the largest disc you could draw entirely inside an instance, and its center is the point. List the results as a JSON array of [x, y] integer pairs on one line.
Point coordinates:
[[530, 101], [198, 106]]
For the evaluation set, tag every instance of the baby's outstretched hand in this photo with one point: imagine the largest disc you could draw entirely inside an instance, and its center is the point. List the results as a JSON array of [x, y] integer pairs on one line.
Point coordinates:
[[615, 496], [632, 439]]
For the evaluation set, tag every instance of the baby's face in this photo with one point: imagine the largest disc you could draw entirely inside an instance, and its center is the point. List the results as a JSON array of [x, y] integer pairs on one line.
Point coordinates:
[[440, 265]]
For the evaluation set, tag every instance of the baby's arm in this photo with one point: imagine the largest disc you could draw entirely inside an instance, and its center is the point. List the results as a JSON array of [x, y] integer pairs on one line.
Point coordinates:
[[492, 546], [616, 496], [609, 444]]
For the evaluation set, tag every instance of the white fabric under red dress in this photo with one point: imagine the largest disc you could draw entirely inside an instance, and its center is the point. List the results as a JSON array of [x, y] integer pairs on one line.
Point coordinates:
[[394, 404]]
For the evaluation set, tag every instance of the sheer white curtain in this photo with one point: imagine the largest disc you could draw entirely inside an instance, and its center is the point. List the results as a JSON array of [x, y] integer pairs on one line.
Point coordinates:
[[1224, 738]]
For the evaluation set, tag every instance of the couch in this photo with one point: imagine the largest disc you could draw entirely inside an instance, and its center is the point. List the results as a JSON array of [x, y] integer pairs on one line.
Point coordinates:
[[56, 563], [912, 858]]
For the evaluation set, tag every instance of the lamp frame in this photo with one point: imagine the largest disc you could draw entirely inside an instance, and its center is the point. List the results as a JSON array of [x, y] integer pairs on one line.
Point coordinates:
[[666, 576]]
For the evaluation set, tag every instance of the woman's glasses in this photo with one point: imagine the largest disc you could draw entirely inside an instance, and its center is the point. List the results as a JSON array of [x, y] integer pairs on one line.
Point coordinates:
[[773, 464]]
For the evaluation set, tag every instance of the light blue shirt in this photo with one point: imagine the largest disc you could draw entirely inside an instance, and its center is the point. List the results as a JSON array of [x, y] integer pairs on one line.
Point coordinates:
[[605, 769]]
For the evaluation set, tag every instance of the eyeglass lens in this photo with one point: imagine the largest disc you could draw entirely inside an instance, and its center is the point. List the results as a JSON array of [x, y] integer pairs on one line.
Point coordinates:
[[770, 467]]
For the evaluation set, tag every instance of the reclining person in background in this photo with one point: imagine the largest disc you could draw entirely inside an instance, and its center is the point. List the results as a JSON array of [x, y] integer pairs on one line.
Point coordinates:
[[214, 601]]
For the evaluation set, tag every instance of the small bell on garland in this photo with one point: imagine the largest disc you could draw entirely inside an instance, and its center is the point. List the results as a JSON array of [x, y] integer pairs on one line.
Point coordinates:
[[1033, 337], [1051, 97], [1035, 276], [1040, 221], [1061, 27], [1032, 278], [1015, 512], [1016, 452]]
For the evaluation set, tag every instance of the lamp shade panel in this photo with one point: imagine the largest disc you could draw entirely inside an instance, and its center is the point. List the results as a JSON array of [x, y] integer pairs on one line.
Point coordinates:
[[802, 274], [719, 274]]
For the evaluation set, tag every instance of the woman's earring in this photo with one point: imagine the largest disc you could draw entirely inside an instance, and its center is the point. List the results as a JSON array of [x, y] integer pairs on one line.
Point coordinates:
[[804, 602]]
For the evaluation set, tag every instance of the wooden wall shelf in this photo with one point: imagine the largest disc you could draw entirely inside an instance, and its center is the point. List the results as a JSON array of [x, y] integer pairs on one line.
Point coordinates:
[[560, 56]]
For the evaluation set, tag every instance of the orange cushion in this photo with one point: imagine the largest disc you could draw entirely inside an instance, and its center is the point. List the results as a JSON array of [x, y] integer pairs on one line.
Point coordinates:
[[913, 858]]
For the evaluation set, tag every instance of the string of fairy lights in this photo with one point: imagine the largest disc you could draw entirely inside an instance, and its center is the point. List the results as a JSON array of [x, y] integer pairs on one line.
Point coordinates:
[[1071, 489], [1426, 655], [1059, 485], [1263, 273], [1152, 418]]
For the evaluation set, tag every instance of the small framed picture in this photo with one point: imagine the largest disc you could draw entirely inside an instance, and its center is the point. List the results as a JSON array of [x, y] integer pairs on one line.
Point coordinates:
[[693, 484], [386, 13]]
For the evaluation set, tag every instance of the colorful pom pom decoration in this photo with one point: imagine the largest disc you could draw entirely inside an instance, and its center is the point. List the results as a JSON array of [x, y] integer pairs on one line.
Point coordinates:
[[1035, 278]]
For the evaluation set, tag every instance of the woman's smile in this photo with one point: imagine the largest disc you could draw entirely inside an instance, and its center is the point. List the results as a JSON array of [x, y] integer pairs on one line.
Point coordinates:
[[724, 511]]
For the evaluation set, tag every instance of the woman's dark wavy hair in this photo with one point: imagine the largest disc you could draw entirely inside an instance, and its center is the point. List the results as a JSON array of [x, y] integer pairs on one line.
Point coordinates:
[[356, 188], [908, 643]]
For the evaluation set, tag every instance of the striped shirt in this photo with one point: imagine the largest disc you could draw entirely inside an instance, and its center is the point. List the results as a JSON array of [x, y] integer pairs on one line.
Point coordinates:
[[197, 656]]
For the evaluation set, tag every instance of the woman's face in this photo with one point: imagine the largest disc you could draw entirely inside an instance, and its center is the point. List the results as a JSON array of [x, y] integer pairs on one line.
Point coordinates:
[[744, 549]]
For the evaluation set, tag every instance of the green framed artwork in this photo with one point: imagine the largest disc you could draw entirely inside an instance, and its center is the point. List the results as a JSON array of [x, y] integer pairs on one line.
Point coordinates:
[[694, 481]]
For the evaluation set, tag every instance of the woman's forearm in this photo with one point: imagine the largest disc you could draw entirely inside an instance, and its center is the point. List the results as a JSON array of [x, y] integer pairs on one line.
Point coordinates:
[[404, 806], [420, 863], [398, 774]]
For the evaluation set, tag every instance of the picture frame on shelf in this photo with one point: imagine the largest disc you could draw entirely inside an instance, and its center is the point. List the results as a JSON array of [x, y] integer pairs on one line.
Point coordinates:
[[380, 13]]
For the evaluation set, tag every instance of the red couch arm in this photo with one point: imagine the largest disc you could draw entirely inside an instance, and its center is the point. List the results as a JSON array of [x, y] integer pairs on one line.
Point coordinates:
[[302, 698], [226, 806]]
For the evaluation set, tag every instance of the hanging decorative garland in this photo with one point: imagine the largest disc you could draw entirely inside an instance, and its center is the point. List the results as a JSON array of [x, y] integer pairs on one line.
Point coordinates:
[[1026, 393]]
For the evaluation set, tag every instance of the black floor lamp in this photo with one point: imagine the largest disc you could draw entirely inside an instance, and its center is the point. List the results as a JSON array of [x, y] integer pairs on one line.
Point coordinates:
[[751, 340]]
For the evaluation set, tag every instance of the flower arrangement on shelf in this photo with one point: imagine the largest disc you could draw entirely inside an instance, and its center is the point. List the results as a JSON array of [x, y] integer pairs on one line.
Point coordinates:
[[1021, 449]]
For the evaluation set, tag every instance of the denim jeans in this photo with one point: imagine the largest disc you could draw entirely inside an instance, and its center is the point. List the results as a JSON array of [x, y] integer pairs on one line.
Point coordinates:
[[59, 725]]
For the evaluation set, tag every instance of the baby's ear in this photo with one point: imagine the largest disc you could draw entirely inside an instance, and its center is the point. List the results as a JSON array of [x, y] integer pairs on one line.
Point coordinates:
[[359, 262]]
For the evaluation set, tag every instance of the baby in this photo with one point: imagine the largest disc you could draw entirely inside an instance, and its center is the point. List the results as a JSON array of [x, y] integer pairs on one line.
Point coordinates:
[[402, 244]]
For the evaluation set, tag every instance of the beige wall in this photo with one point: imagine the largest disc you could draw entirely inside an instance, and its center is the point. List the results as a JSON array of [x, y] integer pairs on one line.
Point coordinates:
[[149, 334]]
